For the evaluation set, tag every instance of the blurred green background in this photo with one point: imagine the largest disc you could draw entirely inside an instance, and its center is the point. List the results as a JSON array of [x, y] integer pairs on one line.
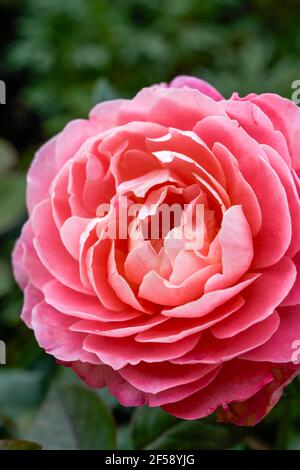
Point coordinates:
[[58, 58]]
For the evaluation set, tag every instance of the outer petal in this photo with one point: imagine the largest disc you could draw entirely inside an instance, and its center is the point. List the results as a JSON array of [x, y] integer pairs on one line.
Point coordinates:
[[119, 352], [41, 174], [198, 84], [83, 306], [251, 411], [181, 108], [51, 329], [214, 351], [258, 125], [26, 262], [261, 298], [51, 250], [155, 378], [71, 139], [285, 116], [293, 297], [20, 272], [237, 381], [284, 346], [32, 297]]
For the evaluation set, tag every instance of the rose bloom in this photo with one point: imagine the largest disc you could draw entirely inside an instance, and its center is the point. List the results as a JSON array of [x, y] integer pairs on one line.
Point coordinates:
[[191, 330]]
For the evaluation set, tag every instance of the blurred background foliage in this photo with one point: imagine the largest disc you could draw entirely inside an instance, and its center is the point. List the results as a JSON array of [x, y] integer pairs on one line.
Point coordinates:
[[58, 58]]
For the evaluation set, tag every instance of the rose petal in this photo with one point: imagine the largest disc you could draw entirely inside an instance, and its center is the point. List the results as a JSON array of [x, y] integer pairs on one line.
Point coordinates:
[[236, 382], [198, 84]]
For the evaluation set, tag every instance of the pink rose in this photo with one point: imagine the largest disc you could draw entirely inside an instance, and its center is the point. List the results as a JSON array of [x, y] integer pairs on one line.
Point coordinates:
[[215, 326]]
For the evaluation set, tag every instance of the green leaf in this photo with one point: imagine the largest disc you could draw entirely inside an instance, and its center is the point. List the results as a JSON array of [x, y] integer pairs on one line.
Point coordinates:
[[12, 197], [156, 430], [18, 445], [73, 418], [148, 424], [109, 400], [21, 393], [125, 438]]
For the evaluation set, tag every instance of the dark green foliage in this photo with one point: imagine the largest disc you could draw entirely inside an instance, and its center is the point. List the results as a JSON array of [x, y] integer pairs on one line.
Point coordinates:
[[78, 52], [59, 58]]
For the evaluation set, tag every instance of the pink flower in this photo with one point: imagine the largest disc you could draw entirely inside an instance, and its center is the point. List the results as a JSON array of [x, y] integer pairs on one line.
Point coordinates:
[[191, 330]]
